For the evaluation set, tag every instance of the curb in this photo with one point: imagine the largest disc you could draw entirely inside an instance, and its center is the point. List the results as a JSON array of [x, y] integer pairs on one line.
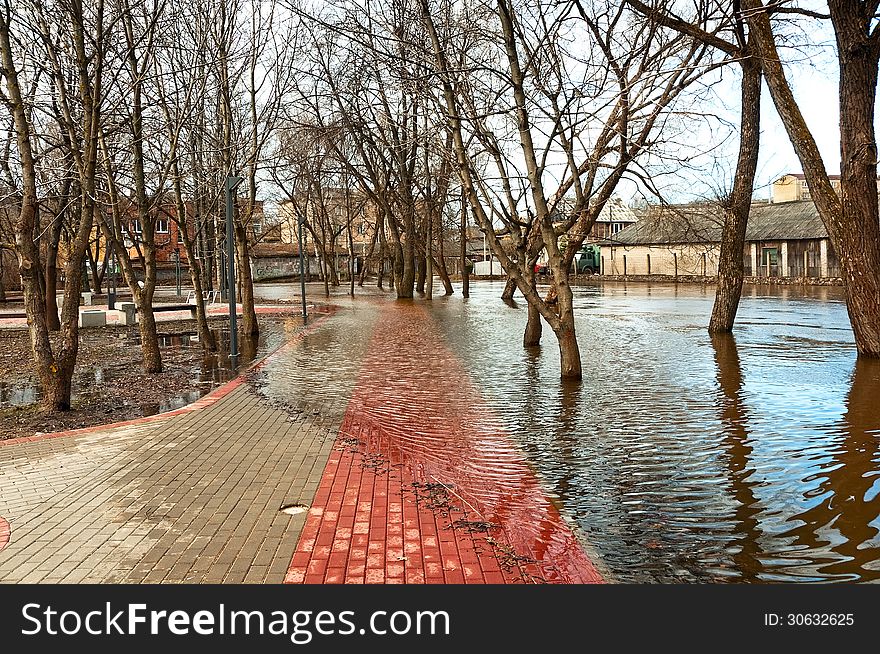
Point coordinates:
[[5, 530]]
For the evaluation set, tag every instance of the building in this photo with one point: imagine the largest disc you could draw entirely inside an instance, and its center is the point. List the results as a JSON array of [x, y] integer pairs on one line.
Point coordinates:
[[784, 240], [615, 216], [792, 187]]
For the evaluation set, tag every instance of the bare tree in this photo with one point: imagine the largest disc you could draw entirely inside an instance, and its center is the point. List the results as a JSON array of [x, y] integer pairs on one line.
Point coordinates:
[[127, 165], [597, 109], [852, 219], [81, 30], [181, 93], [709, 25]]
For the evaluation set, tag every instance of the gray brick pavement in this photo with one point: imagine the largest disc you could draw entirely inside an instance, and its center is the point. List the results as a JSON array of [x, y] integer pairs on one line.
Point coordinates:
[[192, 498]]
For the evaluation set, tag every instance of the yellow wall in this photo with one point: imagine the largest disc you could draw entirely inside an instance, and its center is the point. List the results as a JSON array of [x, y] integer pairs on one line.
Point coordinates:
[[663, 259], [786, 189]]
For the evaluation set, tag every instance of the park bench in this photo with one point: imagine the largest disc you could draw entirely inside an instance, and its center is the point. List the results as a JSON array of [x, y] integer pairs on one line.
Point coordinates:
[[175, 307], [129, 309]]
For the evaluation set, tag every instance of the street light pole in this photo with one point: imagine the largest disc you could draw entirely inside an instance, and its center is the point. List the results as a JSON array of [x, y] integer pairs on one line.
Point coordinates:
[[302, 270], [111, 291], [177, 268], [231, 183]]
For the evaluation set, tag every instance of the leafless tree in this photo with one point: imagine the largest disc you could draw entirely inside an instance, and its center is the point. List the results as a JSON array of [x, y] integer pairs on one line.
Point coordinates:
[[587, 83], [71, 39], [852, 218], [725, 29]]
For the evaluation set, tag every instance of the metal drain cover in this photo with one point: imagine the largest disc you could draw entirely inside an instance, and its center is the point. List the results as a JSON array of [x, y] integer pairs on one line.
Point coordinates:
[[294, 509]]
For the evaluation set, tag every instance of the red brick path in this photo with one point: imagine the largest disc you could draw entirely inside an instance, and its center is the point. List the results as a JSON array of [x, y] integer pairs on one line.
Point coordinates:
[[424, 485]]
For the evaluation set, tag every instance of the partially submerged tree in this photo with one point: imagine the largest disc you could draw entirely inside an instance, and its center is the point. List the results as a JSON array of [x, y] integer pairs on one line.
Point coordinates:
[[851, 219], [587, 84], [725, 29]]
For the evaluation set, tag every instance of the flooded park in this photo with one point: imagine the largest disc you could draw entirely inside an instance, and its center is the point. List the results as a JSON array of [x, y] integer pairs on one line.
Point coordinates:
[[679, 458]]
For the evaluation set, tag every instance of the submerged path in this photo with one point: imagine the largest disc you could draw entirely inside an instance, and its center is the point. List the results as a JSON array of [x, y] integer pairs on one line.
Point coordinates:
[[423, 485], [414, 481]]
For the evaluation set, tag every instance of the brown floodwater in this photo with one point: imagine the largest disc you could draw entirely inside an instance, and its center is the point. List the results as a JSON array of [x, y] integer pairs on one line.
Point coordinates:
[[680, 458]]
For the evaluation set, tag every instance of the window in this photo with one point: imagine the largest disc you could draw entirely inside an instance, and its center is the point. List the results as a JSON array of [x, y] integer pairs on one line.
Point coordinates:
[[804, 185], [136, 226], [161, 225], [769, 256]]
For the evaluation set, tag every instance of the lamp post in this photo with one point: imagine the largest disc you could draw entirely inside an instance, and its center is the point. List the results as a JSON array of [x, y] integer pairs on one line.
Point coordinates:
[[231, 183], [111, 290], [177, 267], [302, 270]]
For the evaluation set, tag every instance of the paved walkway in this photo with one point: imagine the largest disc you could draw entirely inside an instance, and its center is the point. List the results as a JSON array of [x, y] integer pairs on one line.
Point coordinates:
[[116, 317], [190, 498], [416, 484]]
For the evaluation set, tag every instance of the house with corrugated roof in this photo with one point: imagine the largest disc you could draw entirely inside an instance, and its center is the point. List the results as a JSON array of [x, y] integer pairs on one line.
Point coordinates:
[[784, 240]]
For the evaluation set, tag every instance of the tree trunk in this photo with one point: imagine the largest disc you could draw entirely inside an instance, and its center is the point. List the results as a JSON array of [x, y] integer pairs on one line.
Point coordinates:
[[429, 257], [736, 207], [465, 275], [93, 266], [852, 219], [857, 237], [351, 261], [333, 264], [150, 353], [249, 324], [440, 261], [509, 289], [53, 377], [421, 274], [406, 283], [534, 327], [57, 392], [569, 353], [325, 274], [206, 336], [51, 275]]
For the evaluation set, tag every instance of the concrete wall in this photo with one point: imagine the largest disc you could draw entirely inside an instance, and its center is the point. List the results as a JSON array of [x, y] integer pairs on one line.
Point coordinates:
[[702, 260], [492, 267], [786, 189], [684, 259], [269, 268]]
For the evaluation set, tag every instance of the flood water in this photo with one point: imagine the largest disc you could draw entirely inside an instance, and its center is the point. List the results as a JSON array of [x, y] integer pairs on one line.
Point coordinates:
[[752, 458], [209, 371]]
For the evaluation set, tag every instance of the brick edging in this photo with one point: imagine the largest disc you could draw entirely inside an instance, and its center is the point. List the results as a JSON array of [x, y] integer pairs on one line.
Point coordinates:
[[205, 401], [5, 531]]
